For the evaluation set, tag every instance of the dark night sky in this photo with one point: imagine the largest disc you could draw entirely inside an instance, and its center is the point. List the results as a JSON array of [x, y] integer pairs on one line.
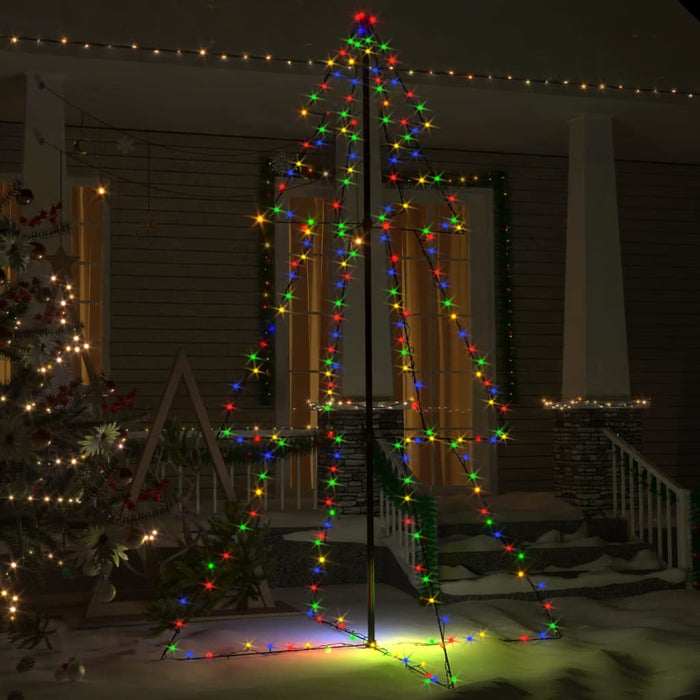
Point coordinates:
[[646, 43], [614, 40]]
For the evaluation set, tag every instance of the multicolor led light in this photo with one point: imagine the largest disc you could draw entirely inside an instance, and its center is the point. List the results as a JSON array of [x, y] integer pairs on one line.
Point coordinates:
[[402, 122], [187, 602]]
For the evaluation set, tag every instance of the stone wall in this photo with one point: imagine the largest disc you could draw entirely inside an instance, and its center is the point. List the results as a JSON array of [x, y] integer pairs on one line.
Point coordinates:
[[350, 423], [583, 455]]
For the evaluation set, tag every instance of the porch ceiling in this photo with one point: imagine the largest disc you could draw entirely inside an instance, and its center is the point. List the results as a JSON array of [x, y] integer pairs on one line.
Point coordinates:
[[647, 43]]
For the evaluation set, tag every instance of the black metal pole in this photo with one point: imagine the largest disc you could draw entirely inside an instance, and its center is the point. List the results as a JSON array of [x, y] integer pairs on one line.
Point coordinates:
[[369, 428]]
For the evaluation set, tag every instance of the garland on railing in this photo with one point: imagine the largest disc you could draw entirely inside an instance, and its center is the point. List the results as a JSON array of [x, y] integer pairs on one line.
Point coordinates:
[[423, 508], [248, 450]]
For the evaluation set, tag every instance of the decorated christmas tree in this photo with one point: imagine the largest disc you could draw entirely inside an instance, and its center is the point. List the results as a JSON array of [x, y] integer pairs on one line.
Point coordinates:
[[62, 465]]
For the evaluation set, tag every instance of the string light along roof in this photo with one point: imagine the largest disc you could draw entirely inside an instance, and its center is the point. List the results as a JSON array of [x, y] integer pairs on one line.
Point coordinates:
[[458, 76]]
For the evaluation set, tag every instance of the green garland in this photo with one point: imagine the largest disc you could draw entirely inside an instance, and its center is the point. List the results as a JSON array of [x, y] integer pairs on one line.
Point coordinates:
[[426, 508], [504, 285], [497, 180], [251, 453], [266, 381]]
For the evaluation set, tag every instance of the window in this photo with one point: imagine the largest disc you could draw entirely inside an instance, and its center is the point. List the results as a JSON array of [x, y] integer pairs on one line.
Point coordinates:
[[86, 243], [309, 321], [87, 211], [10, 211], [441, 364], [448, 400]]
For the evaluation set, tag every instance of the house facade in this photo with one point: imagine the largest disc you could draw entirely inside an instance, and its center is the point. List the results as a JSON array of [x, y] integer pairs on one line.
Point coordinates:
[[185, 145]]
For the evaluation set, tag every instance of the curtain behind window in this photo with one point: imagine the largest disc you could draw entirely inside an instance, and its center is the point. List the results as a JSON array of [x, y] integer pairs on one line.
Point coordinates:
[[442, 363], [309, 318], [441, 359], [10, 211], [308, 324], [86, 242]]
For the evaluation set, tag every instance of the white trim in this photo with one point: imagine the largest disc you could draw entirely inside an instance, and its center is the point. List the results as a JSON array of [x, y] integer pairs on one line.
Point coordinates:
[[482, 293], [482, 317], [92, 181], [282, 252], [107, 288]]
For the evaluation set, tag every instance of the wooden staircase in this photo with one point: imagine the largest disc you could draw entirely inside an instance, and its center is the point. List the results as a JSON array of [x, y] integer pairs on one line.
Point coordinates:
[[568, 554], [592, 558]]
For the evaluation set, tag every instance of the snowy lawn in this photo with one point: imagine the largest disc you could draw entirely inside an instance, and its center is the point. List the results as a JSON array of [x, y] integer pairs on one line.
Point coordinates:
[[640, 647]]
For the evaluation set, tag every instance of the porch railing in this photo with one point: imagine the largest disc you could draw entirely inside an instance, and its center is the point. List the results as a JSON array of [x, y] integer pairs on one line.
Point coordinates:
[[295, 476], [656, 508], [393, 521]]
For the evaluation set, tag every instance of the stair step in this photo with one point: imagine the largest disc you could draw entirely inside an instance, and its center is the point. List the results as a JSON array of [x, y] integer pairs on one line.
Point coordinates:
[[578, 573], [635, 554], [472, 526], [590, 585], [609, 529], [643, 562]]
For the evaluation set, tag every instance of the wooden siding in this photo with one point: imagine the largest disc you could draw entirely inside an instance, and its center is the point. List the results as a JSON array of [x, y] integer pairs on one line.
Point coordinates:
[[11, 136], [659, 207], [537, 192], [660, 240], [193, 281]]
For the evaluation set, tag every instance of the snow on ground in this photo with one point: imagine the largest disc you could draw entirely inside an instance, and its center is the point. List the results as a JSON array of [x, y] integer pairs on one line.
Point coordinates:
[[348, 528], [549, 540], [459, 580], [639, 647], [352, 528], [455, 573], [644, 560]]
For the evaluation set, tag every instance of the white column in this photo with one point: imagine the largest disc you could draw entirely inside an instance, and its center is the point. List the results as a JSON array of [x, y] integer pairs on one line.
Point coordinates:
[[44, 123], [353, 356], [595, 363]]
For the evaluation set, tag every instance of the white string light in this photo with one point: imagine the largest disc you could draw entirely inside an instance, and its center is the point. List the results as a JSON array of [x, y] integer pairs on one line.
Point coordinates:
[[595, 403], [464, 77]]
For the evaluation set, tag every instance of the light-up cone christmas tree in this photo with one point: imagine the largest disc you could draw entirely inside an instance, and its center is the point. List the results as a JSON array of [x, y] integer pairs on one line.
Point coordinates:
[[363, 84]]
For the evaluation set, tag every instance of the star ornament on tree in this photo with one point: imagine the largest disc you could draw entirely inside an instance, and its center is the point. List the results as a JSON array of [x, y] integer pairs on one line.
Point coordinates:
[[125, 144], [281, 163], [148, 226], [61, 262]]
